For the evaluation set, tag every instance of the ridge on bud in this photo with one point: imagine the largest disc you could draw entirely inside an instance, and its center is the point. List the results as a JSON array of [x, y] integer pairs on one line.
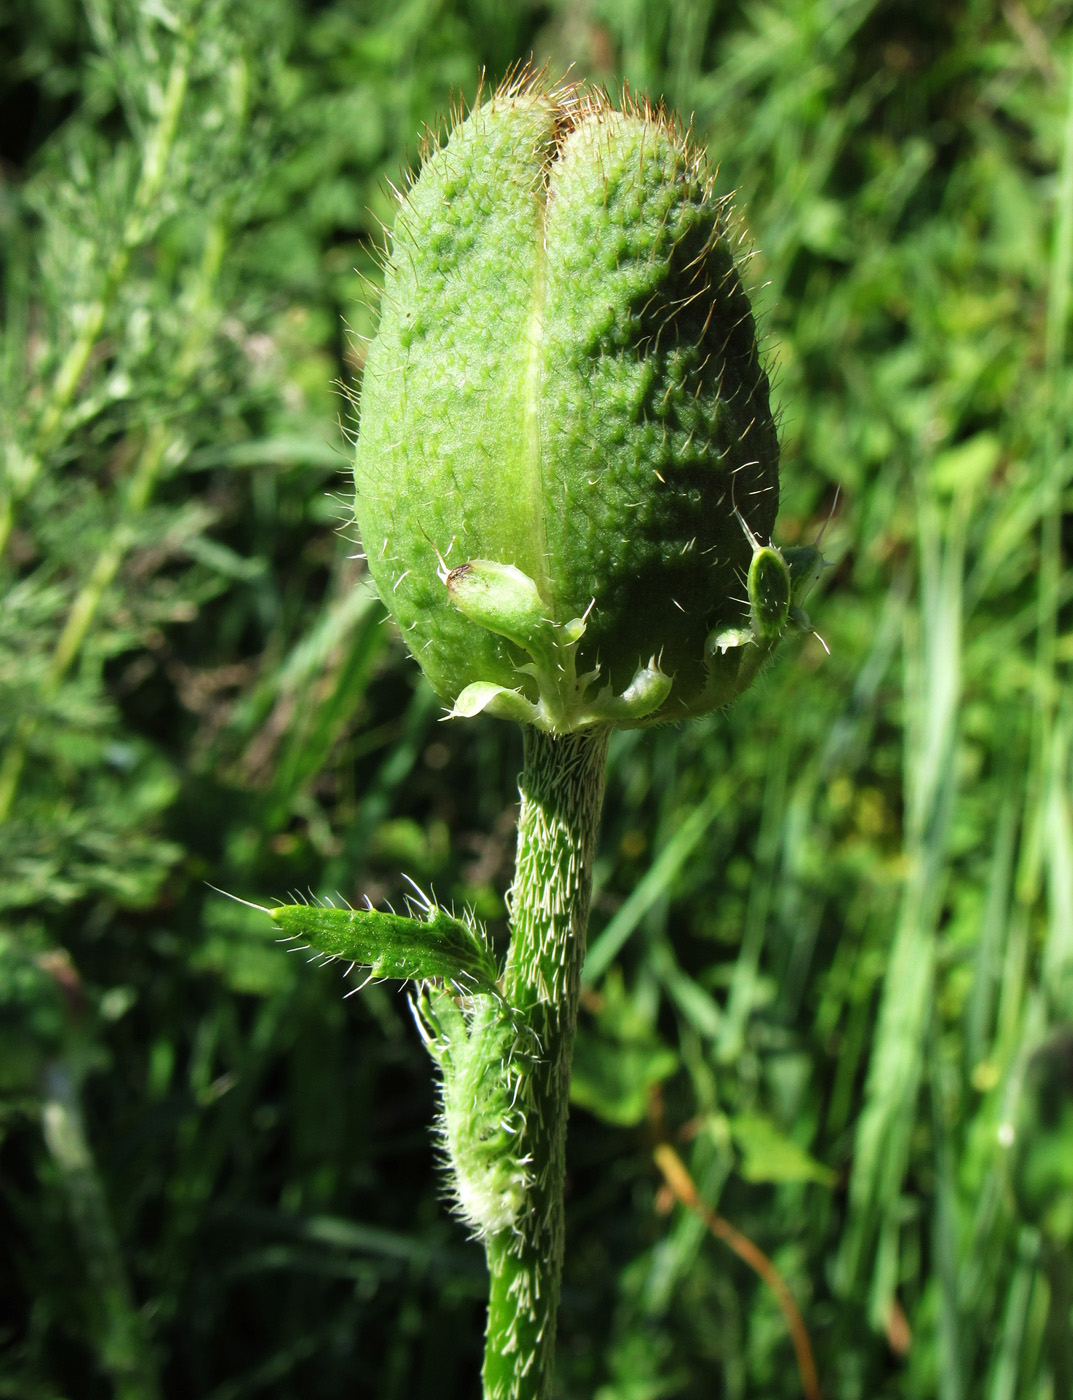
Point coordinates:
[[565, 394]]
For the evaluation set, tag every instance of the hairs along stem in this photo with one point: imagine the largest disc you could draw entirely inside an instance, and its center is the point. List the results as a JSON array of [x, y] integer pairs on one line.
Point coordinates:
[[562, 787]]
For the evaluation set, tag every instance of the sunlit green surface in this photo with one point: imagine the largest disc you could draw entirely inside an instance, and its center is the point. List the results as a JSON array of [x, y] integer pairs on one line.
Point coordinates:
[[834, 924]]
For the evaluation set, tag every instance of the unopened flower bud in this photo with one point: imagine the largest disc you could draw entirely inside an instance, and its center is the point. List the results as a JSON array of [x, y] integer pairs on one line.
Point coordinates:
[[566, 455]]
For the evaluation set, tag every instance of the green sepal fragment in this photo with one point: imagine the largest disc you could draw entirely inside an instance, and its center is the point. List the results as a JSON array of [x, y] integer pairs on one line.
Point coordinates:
[[497, 700], [506, 601], [806, 565], [438, 946], [778, 581], [725, 641], [645, 693], [769, 594]]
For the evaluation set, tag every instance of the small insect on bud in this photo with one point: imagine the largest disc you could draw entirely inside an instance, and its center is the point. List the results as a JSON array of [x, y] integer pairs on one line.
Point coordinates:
[[565, 423]]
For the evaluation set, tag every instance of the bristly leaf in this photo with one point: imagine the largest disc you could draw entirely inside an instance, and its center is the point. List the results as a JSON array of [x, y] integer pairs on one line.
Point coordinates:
[[435, 946]]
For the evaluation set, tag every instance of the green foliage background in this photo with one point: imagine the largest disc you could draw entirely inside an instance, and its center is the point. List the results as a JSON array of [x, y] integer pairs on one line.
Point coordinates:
[[834, 926]]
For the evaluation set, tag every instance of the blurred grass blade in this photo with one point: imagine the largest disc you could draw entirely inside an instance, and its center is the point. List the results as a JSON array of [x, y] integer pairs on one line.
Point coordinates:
[[654, 884], [933, 664]]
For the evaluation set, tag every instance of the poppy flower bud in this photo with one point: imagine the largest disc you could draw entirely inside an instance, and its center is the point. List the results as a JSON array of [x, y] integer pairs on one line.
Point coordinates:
[[566, 455]]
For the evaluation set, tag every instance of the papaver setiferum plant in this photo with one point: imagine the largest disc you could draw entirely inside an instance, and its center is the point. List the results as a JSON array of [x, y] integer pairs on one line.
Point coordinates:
[[566, 483]]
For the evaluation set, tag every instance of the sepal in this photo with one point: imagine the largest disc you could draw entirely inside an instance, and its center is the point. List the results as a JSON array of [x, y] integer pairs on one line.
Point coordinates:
[[508, 602]]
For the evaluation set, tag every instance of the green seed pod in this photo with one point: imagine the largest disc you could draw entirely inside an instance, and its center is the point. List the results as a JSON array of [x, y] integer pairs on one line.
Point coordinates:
[[565, 384]]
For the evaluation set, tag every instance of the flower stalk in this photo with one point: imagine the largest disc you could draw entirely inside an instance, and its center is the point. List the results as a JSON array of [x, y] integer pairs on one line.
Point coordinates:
[[562, 791]]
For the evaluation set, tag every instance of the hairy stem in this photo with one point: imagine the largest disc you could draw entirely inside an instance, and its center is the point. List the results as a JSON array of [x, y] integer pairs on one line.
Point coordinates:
[[562, 790]]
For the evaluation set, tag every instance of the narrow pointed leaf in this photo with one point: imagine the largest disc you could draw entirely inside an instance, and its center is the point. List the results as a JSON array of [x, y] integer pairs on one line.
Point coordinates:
[[394, 945]]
